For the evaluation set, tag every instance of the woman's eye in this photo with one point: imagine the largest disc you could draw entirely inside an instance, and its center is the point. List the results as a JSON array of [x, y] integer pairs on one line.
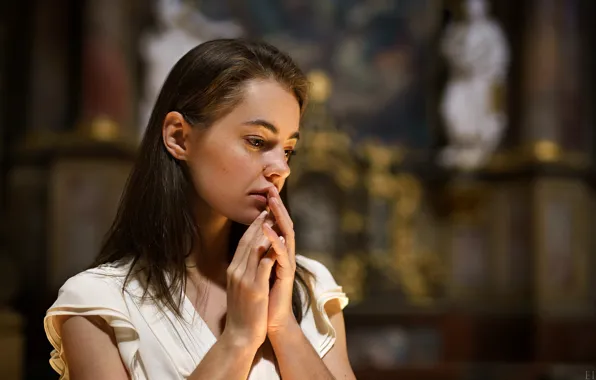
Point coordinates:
[[290, 153], [256, 142]]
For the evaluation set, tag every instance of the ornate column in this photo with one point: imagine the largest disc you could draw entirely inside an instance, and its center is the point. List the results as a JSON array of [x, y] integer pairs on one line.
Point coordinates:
[[554, 122], [557, 137]]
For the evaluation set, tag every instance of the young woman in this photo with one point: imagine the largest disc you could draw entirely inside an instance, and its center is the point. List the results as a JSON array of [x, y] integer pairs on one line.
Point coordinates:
[[182, 288]]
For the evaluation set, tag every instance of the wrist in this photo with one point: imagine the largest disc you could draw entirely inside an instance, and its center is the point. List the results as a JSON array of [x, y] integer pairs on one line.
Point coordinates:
[[286, 332], [237, 345]]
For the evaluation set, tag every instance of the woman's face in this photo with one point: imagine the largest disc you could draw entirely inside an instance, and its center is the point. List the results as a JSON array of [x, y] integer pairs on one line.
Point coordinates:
[[233, 162]]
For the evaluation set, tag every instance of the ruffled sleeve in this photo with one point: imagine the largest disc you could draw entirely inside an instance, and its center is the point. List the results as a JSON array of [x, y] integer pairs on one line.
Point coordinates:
[[316, 324], [92, 294]]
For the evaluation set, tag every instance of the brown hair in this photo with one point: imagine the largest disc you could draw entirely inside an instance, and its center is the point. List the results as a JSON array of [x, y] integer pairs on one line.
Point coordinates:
[[154, 227]]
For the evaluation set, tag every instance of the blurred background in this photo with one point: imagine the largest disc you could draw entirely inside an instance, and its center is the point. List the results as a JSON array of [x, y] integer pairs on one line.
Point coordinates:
[[446, 174]]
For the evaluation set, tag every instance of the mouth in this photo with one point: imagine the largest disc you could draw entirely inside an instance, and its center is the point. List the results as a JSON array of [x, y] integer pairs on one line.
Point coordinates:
[[260, 197]]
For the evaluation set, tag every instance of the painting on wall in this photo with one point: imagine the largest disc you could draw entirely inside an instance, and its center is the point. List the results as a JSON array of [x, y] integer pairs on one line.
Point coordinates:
[[377, 54]]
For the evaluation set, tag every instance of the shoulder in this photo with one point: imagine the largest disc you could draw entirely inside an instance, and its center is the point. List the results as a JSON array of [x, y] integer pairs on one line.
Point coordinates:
[[316, 268], [105, 280], [322, 279], [95, 293]]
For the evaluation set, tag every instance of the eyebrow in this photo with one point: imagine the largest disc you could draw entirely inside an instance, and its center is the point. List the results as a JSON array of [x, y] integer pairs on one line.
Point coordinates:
[[267, 125]]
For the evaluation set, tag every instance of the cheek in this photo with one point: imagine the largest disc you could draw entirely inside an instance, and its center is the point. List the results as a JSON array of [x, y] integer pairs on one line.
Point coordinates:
[[221, 168], [230, 161]]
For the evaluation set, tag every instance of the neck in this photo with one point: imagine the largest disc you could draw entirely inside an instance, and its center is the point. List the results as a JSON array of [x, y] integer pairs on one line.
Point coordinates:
[[209, 258]]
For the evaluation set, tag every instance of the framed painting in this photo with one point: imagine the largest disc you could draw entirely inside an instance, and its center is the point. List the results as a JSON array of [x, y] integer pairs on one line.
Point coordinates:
[[377, 54]]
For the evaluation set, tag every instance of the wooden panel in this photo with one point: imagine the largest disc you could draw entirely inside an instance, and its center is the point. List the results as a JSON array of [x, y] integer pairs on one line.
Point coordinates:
[[562, 242], [566, 341]]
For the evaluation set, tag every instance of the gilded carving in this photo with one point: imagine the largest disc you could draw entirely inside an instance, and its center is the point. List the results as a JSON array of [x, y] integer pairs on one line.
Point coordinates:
[[417, 268]]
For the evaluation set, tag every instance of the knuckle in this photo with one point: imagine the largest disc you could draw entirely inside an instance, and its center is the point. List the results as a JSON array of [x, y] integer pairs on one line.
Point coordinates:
[[235, 277], [251, 288], [245, 283]]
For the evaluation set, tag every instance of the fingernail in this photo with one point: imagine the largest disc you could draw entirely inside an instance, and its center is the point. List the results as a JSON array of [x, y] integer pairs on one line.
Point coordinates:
[[263, 214]]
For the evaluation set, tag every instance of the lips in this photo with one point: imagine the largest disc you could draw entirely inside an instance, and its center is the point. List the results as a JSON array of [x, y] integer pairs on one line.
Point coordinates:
[[260, 195]]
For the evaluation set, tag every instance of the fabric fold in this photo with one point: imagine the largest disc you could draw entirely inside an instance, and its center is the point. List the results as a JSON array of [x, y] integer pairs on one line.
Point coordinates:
[[325, 289], [91, 296]]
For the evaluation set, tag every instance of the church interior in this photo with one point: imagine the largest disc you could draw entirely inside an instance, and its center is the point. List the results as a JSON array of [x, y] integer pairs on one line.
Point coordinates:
[[445, 174]]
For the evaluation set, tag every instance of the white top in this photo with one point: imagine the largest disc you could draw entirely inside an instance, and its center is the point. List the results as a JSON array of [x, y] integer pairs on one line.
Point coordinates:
[[155, 344]]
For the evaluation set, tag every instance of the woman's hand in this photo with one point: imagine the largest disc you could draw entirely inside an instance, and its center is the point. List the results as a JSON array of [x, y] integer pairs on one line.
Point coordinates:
[[248, 287], [280, 296]]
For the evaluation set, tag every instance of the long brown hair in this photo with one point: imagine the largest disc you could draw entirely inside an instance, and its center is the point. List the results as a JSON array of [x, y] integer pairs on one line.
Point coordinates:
[[154, 227]]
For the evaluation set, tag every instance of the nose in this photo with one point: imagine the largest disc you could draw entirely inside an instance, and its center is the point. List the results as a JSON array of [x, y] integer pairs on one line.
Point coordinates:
[[277, 167]]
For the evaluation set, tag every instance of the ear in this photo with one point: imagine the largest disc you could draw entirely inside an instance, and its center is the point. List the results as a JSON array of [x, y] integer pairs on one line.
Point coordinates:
[[175, 134]]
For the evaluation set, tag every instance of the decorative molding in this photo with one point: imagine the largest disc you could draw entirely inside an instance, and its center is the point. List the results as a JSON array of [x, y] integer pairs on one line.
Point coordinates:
[[540, 152]]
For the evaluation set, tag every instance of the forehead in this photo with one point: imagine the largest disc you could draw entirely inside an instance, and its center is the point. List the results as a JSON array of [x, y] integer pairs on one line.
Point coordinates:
[[268, 100]]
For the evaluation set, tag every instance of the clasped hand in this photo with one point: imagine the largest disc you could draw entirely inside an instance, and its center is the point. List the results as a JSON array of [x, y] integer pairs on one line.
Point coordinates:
[[254, 309]]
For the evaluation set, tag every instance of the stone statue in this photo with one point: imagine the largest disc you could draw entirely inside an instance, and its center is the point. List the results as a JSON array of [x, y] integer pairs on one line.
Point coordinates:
[[181, 27], [472, 106]]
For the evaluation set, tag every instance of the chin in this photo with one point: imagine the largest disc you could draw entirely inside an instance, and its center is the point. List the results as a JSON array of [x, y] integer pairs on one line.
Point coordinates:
[[246, 217]]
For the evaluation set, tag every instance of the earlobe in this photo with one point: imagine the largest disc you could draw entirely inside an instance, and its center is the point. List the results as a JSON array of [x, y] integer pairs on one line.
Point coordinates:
[[175, 134]]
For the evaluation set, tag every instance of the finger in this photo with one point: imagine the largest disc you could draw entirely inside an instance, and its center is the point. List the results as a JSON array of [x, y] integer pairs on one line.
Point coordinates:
[[264, 269], [280, 249], [277, 242], [259, 250], [284, 222], [270, 220], [247, 238], [283, 211], [258, 247]]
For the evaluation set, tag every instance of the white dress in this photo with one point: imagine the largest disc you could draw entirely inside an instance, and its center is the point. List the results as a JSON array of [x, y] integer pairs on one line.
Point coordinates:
[[155, 344]]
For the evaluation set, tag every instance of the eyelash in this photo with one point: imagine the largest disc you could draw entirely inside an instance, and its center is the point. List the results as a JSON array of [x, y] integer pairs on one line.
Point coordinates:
[[259, 143], [255, 141]]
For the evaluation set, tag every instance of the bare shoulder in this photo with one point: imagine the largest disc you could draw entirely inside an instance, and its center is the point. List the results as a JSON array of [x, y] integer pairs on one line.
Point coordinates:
[[90, 348]]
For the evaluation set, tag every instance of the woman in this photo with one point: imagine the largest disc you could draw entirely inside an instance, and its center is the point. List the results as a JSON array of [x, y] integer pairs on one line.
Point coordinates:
[[182, 288]]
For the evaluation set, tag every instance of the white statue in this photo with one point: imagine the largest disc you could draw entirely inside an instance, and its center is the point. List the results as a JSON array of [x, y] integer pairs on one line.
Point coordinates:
[[478, 57], [182, 27]]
